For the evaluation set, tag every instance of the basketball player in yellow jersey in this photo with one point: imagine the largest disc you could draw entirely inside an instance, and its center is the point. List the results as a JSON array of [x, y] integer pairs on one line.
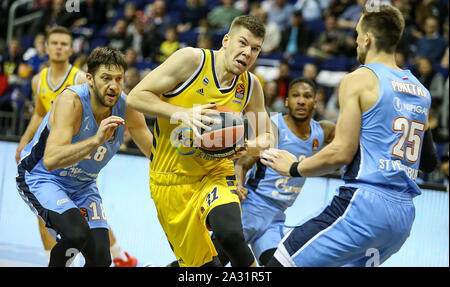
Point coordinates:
[[194, 193], [46, 85]]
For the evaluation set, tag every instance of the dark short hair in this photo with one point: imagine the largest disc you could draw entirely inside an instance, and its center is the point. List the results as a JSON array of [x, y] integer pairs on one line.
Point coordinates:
[[302, 80], [58, 30], [386, 24], [251, 23], [105, 56]]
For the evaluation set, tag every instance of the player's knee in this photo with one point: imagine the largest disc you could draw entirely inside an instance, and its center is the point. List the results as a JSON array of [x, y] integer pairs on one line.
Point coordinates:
[[229, 238], [78, 236]]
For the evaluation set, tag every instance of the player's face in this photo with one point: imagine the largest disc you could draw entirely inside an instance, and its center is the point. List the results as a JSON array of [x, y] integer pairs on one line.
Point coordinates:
[[59, 47], [241, 50], [107, 84], [361, 48], [301, 101]]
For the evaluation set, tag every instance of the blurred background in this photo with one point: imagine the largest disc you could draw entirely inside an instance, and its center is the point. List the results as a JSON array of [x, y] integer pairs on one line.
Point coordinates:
[[309, 38]]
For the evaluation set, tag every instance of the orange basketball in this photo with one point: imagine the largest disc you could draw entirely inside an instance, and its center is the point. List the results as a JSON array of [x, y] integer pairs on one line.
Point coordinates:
[[225, 135]]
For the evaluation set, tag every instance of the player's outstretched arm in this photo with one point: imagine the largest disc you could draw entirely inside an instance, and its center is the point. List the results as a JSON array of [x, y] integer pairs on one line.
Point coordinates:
[[138, 129], [241, 166], [65, 121], [38, 115]]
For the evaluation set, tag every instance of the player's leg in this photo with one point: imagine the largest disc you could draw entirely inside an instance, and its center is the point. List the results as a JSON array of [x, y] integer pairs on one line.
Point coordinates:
[[74, 232], [225, 222], [120, 258], [177, 200], [47, 239], [356, 222], [96, 252]]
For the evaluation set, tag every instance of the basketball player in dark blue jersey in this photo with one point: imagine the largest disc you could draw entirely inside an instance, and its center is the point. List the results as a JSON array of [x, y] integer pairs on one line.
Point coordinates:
[[58, 169], [380, 134]]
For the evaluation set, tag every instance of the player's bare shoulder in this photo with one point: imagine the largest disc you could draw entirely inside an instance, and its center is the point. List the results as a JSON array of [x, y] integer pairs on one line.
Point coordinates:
[[185, 60], [67, 104], [361, 83]]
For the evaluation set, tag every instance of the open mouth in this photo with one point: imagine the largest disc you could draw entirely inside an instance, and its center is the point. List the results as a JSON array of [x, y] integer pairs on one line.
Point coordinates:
[[111, 96], [241, 63]]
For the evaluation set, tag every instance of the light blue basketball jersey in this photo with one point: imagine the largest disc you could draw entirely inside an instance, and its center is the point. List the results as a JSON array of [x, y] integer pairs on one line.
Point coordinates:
[[391, 134], [266, 183], [87, 169]]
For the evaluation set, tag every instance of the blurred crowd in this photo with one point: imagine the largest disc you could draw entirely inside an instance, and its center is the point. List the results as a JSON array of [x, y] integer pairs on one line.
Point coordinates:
[[310, 38]]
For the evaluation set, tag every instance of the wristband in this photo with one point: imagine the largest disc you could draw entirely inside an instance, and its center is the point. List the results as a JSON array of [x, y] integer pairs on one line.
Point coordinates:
[[293, 171]]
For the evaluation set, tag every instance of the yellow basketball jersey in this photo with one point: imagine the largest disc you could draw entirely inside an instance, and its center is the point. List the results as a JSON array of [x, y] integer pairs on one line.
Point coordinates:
[[171, 152], [47, 93]]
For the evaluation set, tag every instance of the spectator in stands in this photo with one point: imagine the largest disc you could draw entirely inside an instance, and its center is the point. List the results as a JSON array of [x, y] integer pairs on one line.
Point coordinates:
[[205, 41], [337, 7], [54, 14], [137, 34], [410, 33], [191, 15], [170, 45], [273, 37], [131, 57], [157, 17], [310, 72], [283, 80], [130, 13], [274, 104], [433, 81], [296, 38], [4, 89], [92, 14], [425, 9], [118, 37], [320, 112], [311, 10], [221, 16], [35, 56], [349, 18], [132, 78], [432, 45], [331, 42], [279, 12]]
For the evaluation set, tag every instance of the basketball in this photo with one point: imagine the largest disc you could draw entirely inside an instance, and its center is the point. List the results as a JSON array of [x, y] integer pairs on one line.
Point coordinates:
[[225, 135]]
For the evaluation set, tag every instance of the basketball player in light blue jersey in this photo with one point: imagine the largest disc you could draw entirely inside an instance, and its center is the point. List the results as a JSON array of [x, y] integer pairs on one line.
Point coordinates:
[[57, 170], [379, 138], [267, 192]]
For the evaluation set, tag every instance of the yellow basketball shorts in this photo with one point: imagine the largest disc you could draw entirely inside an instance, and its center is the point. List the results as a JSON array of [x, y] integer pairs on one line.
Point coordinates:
[[183, 204]]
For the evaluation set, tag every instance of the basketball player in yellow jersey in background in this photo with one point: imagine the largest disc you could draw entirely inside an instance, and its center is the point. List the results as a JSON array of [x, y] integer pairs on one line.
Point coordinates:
[[194, 193], [46, 85]]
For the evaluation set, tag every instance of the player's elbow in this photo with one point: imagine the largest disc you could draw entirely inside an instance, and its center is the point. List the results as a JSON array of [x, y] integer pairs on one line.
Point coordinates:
[[49, 164], [132, 101], [344, 155]]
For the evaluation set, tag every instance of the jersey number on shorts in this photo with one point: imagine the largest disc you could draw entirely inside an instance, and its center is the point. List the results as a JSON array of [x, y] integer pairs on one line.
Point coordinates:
[[212, 196], [409, 134], [95, 213]]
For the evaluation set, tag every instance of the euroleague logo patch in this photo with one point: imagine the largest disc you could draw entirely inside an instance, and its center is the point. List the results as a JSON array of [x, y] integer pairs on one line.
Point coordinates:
[[84, 212], [240, 91], [315, 144]]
